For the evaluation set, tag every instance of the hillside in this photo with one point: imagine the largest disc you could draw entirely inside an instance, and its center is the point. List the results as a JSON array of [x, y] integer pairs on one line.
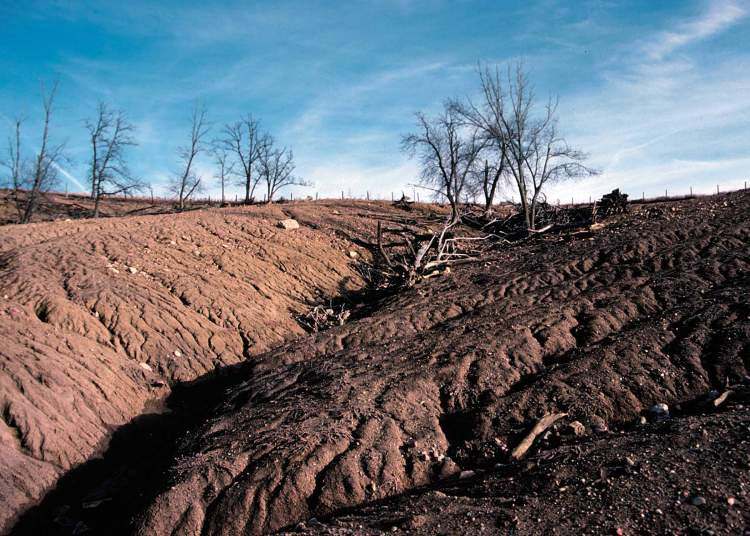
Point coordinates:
[[100, 317], [404, 417]]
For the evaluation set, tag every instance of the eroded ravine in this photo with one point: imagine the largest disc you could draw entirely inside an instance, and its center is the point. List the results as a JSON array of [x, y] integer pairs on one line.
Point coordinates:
[[100, 317], [444, 378], [447, 376]]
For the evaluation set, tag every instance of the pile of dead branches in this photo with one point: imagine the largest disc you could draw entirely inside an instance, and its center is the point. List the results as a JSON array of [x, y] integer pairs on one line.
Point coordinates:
[[614, 202], [406, 255], [320, 317]]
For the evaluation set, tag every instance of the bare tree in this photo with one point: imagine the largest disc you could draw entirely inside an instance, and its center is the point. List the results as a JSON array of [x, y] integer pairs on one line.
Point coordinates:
[[277, 169], [110, 135], [18, 168], [448, 151], [550, 159], [187, 182], [246, 141], [535, 153], [225, 168], [488, 117], [46, 164]]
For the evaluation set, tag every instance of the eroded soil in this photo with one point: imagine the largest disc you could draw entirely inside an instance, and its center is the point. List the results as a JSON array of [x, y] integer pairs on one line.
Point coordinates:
[[99, 317], [450, 374], [403, 420]]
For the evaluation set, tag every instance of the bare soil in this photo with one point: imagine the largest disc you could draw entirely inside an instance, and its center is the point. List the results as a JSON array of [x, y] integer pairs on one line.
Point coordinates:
[[99, 317], [403, 419]]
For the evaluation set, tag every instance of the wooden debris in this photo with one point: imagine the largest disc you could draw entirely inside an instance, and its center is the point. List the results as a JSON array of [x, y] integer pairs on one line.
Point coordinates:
[[718, 401], [538, 429]]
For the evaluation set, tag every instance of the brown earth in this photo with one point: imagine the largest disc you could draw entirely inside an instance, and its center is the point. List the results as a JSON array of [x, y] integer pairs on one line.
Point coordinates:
[[99, 317], [54, 206], [369, 427], [449, 375]]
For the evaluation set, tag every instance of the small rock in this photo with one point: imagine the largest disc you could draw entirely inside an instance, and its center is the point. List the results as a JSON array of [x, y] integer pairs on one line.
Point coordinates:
[[353, 254], [698, 501], [599, 425], [466, 474], [288, 224], [448, 468], [731, 501], [629, 461], [659, 411], [576, 428], [177, 353], [145, 366], [132, 269]]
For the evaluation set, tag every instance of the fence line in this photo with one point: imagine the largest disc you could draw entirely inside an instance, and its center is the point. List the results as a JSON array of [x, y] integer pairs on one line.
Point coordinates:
[[213, 201]]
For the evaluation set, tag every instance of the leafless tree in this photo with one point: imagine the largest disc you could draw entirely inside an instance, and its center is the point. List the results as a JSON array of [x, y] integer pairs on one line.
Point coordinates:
[[225, 168], [110, 135], [246, 141], [550, 159], [448, 151], [17, 167], [187, 181], [277, 169], [535, 153], [44, 172], [488, 117]]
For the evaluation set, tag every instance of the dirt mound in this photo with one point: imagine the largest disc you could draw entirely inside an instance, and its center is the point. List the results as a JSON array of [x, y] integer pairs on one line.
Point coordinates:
[[449, 375], [97, 317]]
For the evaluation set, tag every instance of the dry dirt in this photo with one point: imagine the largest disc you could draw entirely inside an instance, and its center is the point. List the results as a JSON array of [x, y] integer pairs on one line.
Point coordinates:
[[99, 317], [402, 419], [55, 206]]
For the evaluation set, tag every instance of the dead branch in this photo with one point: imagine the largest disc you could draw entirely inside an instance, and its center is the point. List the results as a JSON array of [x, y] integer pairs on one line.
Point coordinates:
[[718, 401], [539, 428]]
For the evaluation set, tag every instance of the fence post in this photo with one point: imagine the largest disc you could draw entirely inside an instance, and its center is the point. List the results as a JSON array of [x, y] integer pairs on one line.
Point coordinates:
[[316, 196], [717, 189], [368, 195], [417, 197], [666, 194], [391, 196], [342, 195], [643, 196], [691, 191]]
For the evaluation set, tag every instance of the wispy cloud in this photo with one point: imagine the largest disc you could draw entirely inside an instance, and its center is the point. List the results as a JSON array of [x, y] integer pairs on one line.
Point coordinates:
[[720, 15]]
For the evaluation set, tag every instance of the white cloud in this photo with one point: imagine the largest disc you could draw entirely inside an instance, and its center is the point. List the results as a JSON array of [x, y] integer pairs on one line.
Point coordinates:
[[720, 15]]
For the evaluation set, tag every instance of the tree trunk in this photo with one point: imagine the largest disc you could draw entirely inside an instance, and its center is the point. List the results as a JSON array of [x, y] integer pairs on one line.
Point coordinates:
[[96, 204]]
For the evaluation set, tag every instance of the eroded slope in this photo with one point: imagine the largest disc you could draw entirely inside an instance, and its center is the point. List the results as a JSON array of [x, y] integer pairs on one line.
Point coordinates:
[[99, 316], [449, 375]]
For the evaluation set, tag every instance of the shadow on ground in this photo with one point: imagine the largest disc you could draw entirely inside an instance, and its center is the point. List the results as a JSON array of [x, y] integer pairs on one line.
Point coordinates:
[[102, 495]]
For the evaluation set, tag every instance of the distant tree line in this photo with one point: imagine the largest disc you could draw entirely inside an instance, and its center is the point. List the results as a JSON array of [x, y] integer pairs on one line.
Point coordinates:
[[243, 155], [504, 137]]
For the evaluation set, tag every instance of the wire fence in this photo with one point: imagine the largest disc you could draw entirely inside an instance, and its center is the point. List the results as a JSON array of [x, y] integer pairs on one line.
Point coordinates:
[[236, 199]]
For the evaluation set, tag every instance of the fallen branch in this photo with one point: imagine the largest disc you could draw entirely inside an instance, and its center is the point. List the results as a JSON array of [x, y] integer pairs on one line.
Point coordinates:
[[721, 398], [539, 428], [543, 229]]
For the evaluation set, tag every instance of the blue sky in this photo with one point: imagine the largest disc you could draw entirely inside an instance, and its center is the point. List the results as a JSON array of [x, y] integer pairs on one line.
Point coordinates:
[[658, 93]]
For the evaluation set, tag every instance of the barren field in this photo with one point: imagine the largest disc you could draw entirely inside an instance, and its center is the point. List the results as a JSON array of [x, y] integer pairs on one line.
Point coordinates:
[[401, 419]]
